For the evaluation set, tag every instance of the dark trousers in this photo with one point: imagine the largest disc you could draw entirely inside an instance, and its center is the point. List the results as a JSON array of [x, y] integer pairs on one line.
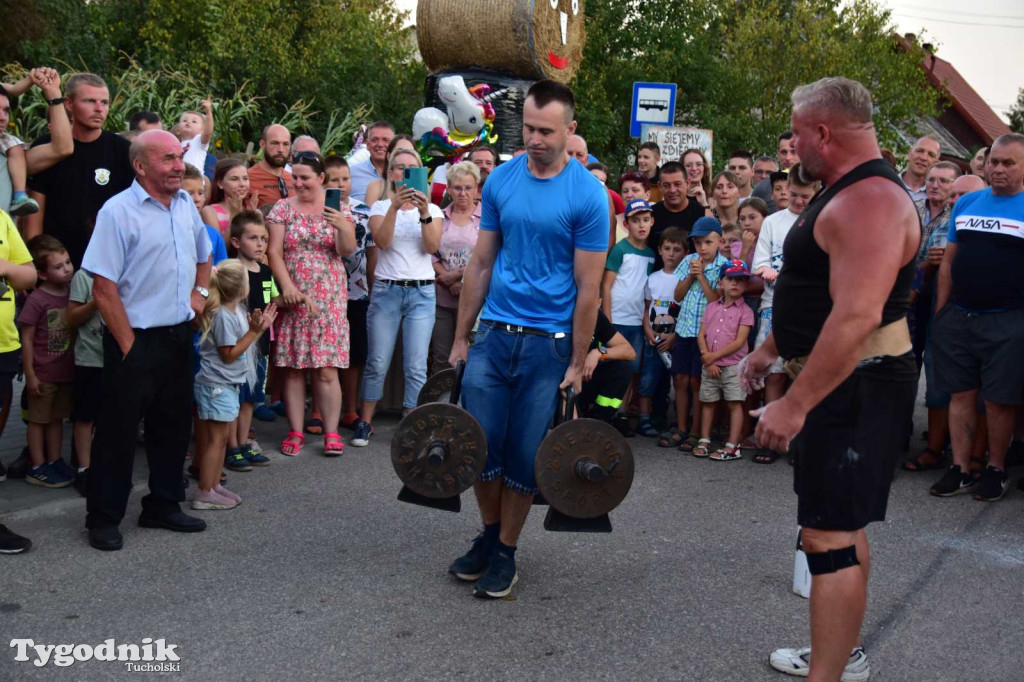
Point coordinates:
[[602, 395], [153, 382]]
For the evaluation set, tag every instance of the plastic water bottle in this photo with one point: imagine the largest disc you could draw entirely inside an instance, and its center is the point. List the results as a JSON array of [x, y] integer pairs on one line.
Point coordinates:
[[666, 356], [938, 240]]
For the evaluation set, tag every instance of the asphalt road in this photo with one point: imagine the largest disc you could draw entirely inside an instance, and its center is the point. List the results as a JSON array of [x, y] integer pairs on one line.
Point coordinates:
[[322, 574]]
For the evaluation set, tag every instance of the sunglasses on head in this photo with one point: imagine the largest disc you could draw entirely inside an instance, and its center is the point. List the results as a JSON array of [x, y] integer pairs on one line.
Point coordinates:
[[311, 159]]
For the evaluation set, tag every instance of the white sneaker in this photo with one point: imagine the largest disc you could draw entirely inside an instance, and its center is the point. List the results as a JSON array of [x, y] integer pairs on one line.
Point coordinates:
[[212, 500], [798, 662]]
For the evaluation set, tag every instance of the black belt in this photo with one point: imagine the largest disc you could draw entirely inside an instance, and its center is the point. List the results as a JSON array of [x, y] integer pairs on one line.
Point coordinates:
[[407, 282], [518, 329]]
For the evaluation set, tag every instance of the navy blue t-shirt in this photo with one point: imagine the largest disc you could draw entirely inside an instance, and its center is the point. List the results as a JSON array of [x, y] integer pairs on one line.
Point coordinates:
[[542, 223], [989, 233]]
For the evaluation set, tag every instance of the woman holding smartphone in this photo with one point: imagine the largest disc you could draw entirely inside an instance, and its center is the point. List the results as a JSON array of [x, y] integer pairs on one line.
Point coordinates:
[[307, 242], [407, 229]]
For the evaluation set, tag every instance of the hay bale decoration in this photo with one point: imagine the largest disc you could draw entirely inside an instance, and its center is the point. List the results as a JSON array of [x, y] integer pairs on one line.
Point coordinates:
[[529, 38]]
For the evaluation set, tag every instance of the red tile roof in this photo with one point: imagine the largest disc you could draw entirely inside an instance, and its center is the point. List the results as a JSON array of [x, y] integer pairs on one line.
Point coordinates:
[[965, 100]]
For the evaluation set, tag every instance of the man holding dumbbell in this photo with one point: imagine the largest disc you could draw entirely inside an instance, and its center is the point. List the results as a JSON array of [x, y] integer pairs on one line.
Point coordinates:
[[536, 273]]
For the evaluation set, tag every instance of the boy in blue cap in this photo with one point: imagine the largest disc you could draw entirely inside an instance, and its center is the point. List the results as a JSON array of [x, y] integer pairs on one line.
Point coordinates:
[[698, 275]]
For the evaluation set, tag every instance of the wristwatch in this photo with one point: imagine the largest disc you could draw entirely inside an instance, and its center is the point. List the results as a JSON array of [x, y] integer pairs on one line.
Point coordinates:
[[56, 101], [425, 221], [203, 291]]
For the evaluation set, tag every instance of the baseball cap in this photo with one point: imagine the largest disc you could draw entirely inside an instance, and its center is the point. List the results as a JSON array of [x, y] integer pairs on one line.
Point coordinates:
[[705, 226], [734, 268], [637, 206]]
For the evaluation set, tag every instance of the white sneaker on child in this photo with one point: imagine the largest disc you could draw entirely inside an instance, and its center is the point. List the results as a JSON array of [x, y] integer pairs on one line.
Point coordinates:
[[212, 499], [227, 493]]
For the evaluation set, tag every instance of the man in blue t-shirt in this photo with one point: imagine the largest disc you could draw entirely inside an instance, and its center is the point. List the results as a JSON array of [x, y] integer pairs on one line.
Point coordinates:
[[978, 328], [536, 272]]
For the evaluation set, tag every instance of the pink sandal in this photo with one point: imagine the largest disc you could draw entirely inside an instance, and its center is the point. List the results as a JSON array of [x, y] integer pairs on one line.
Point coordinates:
[[292, 444], [333, 446]]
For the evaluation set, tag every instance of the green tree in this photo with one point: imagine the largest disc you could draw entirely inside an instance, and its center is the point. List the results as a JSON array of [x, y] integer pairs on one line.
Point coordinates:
[[736, 65], [1016, 113], [334, 57]]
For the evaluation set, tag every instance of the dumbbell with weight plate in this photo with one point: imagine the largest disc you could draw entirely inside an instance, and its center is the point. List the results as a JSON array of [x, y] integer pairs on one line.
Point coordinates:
[[584, 469], [439, 449]]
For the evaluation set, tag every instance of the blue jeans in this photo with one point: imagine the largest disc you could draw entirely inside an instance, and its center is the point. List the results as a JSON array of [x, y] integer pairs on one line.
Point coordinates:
[[511, 387], [654, 370], [413, 309], [635, 336]]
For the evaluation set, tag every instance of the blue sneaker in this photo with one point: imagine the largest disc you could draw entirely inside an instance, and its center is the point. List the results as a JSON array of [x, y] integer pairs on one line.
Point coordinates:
[[361, 438], [65, 468], [252, 457], [278, 407], [500, 576], [473, 563], [47, 476], [236, 461], [265, 413]]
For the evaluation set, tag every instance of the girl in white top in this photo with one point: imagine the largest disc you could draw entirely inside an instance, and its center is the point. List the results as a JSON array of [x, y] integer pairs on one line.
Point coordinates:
[[407, 230]]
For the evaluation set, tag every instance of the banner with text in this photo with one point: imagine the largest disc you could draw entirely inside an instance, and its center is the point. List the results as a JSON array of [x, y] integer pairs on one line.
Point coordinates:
[[674, 140]]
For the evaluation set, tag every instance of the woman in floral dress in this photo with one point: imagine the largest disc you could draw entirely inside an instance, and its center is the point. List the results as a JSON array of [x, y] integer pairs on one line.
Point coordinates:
[[307, 242]]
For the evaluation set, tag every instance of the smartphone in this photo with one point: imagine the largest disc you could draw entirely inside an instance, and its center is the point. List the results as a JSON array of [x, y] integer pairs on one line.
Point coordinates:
[[333, 198], [415, 178]]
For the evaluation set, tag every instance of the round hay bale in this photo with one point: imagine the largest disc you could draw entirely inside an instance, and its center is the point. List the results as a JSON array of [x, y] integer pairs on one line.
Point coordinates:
[[528, 38], [508, 108]]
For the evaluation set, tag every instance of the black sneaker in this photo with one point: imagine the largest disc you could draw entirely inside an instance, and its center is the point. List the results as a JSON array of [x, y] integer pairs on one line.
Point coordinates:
[[954, 482], [993, 483], [500, 576], [12, 543], [473, 563], [624, 426]]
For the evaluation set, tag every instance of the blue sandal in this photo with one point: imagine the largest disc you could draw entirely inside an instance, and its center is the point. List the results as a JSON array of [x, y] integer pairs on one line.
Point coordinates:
[[646, 428], [671, 438]]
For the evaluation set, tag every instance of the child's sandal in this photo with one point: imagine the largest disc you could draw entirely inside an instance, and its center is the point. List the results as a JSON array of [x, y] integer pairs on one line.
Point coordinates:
[[727, 453], [702, 448], [292, 444], [333, 447], [690, 444]]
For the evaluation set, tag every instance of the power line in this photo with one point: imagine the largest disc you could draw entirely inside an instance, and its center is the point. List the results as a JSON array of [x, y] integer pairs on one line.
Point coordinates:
[[960, 13], [958, 23]]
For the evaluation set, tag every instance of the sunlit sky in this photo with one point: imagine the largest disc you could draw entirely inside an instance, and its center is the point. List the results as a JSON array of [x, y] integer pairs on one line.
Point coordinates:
[[983, 44]]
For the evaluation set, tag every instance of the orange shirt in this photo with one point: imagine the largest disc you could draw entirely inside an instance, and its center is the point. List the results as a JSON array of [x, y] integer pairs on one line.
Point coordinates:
[[268, 185]]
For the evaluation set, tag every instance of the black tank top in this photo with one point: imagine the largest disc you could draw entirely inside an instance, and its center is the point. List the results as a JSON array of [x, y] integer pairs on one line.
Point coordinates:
[[802, 301]]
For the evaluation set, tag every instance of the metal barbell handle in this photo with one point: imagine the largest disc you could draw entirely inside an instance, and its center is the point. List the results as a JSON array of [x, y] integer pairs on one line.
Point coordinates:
[[436, 454], [589, 470]]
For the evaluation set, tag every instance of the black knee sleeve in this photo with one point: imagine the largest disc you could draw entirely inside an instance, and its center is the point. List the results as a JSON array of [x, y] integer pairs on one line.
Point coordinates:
[[833, 560]]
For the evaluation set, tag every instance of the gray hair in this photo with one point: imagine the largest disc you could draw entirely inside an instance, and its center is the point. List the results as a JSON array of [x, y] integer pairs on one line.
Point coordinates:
[[947, 165], [305, 138], [463, 169], [1009, 138], [836, 95]]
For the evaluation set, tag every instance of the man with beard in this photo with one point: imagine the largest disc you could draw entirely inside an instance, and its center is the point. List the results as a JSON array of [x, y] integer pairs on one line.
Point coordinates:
[[378, 136], [486, 159], [845, 339], [71, 192], [269, 178]]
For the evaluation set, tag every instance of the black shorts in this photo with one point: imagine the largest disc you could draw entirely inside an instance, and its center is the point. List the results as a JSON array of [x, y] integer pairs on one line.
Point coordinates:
[[357, 343], [686, 357], [846, 453], [979, 351], [87, 394], [10, 365]]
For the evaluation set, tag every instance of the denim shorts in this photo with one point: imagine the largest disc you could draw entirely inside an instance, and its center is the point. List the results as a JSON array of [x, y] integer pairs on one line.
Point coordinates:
[[511, 387], [216, 403], [652, 371], [257, 394], [635, 336]]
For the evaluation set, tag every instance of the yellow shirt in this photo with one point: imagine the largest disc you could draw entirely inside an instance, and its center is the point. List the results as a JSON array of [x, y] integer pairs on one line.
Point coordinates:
[[13, 250]]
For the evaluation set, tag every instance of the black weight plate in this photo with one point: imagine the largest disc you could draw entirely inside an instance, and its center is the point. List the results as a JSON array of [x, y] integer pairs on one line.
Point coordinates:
[[437, 388], [463, 439], [563, 448]]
